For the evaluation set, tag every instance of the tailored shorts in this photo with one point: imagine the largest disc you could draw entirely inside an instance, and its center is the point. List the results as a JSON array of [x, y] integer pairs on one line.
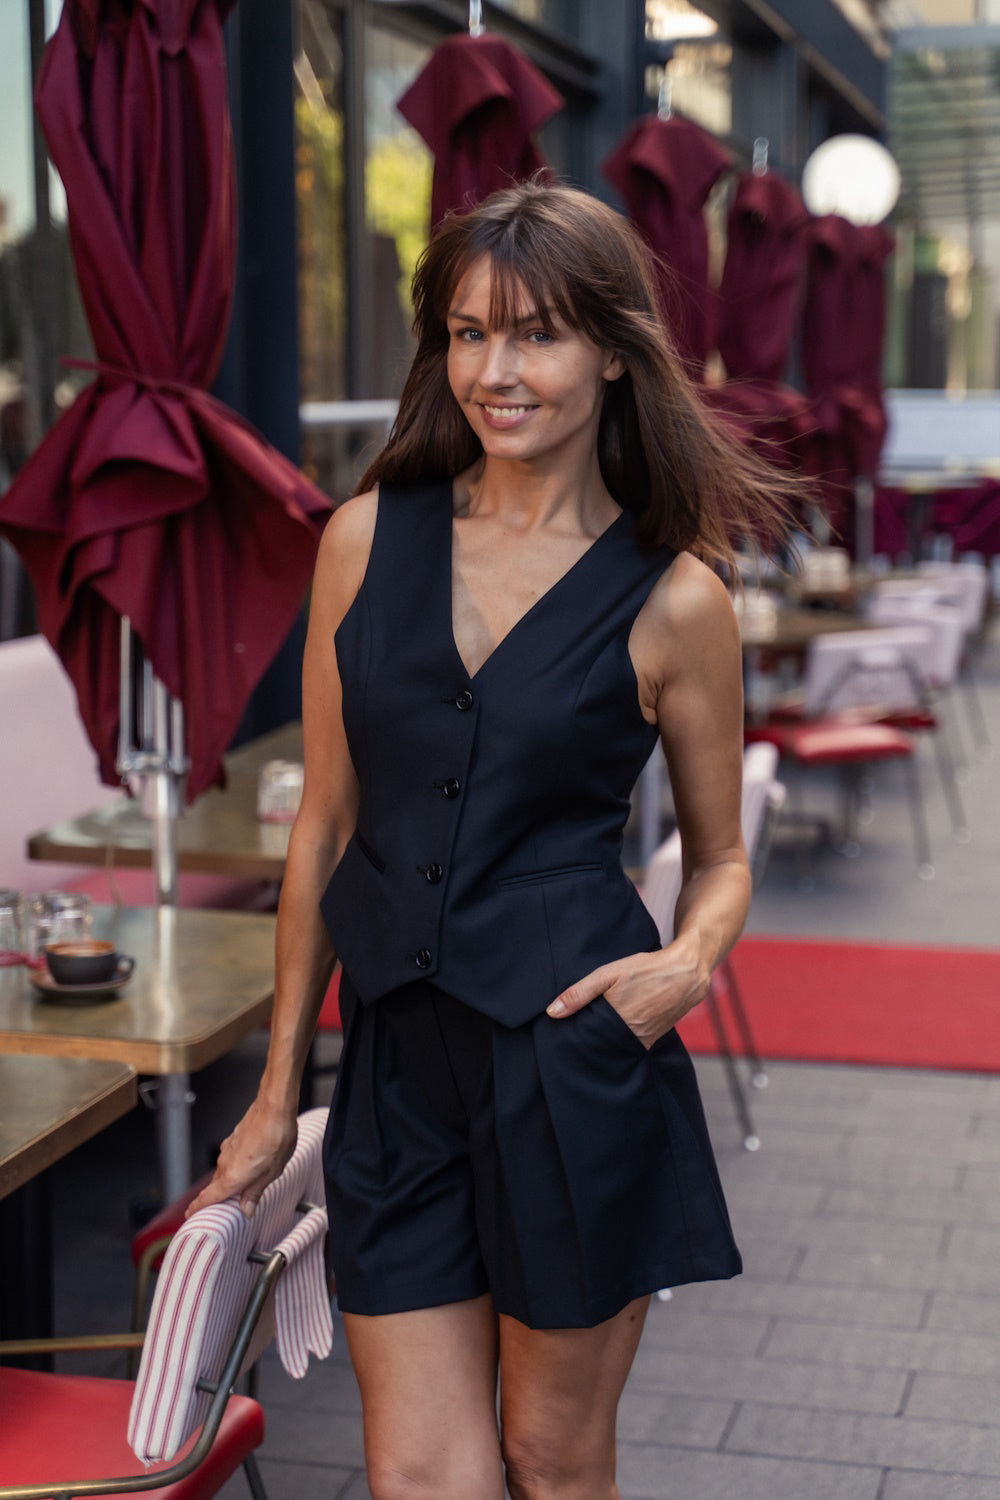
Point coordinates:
[[558, 1165]]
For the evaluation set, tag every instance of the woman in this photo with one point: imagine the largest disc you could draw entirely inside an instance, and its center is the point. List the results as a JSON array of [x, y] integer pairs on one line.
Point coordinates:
[[520, 599]]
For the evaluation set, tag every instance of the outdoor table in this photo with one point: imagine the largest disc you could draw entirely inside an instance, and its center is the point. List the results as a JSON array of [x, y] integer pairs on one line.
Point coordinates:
[[220, 834], [202, 981], [48, 1106]]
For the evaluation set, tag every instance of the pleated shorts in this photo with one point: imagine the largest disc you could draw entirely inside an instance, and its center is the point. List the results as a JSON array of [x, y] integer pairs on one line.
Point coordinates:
[[558, 1166]]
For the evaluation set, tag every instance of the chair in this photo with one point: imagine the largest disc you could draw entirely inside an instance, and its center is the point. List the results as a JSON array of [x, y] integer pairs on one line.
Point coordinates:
[[47, 756], [852, 680], [762, 800], [228, 1285]]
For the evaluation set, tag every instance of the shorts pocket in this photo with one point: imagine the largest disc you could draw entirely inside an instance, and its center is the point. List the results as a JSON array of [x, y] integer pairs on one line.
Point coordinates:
[[615, 1025]]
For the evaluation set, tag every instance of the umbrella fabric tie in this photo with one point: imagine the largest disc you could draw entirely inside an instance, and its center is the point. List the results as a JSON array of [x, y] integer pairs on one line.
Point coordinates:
[[133, 377]]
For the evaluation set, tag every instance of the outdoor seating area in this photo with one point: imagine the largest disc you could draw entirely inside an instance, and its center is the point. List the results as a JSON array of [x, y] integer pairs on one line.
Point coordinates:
[[580, 305]]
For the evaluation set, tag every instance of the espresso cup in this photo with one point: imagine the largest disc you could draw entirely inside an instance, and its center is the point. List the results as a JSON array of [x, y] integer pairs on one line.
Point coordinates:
[[86, 961]]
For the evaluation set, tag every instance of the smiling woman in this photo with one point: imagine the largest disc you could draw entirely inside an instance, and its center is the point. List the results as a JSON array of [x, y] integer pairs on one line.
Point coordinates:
[[504, 621]]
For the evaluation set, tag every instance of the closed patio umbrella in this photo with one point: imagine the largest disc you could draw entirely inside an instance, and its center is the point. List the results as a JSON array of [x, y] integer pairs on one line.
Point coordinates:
[[149, 499], [477, 104], [843, 328], [665, 169]]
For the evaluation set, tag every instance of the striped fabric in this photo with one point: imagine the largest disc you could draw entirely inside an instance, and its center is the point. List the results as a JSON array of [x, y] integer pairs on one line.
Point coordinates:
[[203, 1289]]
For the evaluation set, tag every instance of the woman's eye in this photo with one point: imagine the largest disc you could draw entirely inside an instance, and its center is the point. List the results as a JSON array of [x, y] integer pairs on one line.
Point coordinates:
[[467, 335], [540, 336]]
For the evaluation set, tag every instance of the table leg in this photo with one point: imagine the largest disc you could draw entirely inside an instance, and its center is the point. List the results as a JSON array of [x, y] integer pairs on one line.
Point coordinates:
[[26, 1267], [173, 1133]]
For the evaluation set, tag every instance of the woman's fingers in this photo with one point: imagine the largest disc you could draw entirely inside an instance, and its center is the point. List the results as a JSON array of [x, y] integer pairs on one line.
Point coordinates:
[[583, 991]]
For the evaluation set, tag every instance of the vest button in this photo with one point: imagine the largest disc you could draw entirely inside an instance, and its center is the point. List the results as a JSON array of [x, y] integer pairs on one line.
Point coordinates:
[[422, 958], [434, 874], [452, 787], [464, 700]]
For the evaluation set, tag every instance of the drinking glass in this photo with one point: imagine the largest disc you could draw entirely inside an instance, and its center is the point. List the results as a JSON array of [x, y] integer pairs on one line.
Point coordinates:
[[11, 928], [279, 791], [55, 917]]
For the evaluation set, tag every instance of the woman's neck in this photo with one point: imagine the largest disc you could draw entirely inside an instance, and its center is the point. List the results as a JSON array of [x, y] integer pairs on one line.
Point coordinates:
[[523, 498]]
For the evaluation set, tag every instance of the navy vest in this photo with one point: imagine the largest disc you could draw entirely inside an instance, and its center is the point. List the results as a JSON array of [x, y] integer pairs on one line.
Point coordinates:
[[487, 855]]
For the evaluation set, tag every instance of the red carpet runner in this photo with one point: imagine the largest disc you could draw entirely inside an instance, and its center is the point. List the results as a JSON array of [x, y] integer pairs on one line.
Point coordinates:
[[891, 1006]]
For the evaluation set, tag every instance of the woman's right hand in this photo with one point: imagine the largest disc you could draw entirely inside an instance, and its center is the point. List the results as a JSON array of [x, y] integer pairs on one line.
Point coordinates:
[[253, 1156]]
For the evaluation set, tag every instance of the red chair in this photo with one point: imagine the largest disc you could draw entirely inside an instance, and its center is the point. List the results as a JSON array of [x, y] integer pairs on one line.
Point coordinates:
[[223, 1280]]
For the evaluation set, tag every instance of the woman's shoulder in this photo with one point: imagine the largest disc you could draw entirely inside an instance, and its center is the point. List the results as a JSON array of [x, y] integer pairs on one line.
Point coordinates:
[[346, 545], [688, 611]]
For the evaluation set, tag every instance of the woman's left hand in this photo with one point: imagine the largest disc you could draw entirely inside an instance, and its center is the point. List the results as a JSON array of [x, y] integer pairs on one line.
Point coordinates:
[[650, 991]]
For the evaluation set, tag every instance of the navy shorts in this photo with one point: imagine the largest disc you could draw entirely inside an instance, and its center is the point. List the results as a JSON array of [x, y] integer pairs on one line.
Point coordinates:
[[558, 1166]]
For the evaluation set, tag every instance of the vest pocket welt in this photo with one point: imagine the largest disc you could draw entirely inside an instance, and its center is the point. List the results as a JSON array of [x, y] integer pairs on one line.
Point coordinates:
[[369, 853], [557, 872]]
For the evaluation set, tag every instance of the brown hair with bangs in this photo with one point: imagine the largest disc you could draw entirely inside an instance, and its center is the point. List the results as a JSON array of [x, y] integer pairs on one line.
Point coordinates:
[[663, 455]]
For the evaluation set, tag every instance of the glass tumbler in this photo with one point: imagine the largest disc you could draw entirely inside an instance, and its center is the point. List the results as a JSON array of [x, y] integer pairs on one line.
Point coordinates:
[[11, 928], [279, 791], [55, 917]]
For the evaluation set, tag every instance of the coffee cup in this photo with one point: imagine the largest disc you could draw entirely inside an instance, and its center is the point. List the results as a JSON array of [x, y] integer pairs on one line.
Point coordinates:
[[86, 961]]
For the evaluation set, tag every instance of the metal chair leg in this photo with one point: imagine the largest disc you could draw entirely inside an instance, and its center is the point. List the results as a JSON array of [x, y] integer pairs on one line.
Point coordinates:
[[252, 1470], [751, 1140], [925, 867], [758, 1073]]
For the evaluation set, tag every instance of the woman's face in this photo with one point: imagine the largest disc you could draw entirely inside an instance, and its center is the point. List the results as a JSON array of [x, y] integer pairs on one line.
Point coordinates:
[[529, 394]]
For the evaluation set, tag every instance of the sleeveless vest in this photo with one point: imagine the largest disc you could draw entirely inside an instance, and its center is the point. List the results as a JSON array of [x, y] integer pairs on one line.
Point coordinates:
[[487, 855]]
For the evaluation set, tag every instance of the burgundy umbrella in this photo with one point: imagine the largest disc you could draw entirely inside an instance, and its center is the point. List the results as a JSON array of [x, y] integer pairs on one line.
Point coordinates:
[[477, 104], [665, 169], [843, 328], [149, 499], [762, 279]]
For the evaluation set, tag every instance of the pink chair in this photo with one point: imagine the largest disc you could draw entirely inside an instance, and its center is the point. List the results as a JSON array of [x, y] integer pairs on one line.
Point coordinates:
[[228, 1285], [763, 797]]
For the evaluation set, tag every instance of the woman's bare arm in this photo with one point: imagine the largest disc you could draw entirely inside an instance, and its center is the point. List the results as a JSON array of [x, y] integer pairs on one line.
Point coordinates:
[[686, 650], [254, 1154]]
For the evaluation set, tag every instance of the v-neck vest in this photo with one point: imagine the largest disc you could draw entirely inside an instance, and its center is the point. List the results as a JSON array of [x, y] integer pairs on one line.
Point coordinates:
[[487, 854]]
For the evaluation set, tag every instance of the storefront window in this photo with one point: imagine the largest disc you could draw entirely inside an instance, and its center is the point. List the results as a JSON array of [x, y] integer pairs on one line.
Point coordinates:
[[398, 172], [699, 71]]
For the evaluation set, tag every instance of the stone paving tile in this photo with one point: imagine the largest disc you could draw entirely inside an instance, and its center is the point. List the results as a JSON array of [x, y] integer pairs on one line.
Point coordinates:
[[836, 1234], [884, 1348], [294, 1436], [823, 1305], [957, 1398], [781, 1382], [965, 1314], [863, 1268], [860, 1206], [902, 1486], [891, 1442], [656, 1473]]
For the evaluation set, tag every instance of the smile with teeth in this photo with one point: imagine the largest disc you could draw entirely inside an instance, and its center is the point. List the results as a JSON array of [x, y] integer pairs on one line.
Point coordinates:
[[501, 412]]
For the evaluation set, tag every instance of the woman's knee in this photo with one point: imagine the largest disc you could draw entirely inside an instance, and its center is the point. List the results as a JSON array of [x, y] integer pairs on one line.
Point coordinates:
[[541, 1465]]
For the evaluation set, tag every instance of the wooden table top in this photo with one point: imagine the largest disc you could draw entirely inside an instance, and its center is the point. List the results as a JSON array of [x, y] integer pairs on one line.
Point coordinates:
[[49, 1105], [219, 835], [794, 627], [202, 980]]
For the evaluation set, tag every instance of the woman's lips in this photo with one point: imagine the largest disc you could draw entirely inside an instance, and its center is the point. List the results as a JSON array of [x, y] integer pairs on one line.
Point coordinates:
[[505, 416]]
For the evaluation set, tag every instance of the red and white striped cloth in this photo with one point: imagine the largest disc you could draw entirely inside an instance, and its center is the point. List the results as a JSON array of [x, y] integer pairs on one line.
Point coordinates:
[[203, 1289]]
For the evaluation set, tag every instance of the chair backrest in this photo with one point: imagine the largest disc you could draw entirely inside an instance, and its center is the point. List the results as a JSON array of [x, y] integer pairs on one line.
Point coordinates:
[[966, 584], [878, 668], [763, 795], [206, 1285], [48, 768], [944, 621]]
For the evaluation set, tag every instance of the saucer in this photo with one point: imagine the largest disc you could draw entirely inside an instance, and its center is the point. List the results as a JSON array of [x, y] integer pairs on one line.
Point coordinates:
[[80, 994]]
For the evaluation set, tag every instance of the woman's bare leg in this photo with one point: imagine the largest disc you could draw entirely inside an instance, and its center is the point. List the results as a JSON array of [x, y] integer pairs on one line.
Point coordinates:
[[559, 1394], [428, 1392]]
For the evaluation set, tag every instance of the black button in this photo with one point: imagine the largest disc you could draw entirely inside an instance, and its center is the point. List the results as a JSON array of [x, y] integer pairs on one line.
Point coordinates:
[[464, 701], [434, 874], [422, 957], [452, 787]]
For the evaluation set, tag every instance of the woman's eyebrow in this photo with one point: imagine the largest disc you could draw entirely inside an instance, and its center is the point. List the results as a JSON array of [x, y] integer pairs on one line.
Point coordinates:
[[533, 315]]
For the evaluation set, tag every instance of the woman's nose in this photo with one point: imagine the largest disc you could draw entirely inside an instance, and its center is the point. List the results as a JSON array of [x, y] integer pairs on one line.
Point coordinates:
[[500, 365]]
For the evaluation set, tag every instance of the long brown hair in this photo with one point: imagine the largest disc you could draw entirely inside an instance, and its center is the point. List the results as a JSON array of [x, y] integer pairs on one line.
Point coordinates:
[[663, 456]]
